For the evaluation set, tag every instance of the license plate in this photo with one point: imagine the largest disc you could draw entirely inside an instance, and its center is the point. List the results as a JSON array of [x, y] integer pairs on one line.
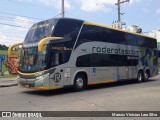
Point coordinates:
[[27, 86]]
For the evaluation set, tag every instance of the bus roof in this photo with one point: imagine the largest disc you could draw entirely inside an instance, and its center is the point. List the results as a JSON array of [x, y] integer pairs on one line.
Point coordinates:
[[100, 25], [95, 24]]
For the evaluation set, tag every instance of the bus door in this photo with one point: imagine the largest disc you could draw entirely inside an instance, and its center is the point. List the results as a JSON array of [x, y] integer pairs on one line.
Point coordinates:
[[56, 58]]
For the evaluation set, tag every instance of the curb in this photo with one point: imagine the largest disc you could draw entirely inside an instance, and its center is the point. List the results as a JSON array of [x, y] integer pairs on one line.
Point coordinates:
[[8, 85]]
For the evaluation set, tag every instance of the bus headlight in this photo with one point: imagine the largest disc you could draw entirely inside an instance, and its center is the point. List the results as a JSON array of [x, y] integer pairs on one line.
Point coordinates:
[[18, 78], [40, 77]]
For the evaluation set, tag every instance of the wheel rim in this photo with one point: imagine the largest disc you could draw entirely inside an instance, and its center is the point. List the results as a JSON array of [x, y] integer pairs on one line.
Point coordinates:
[[139, 77], [146, 76], [79, 82]]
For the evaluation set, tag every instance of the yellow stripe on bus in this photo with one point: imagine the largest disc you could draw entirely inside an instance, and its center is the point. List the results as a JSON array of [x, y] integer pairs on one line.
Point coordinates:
[[100, 82], [42, 88]]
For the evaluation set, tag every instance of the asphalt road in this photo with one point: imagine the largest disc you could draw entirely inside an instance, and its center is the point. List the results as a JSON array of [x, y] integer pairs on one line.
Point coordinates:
[[124, 96]]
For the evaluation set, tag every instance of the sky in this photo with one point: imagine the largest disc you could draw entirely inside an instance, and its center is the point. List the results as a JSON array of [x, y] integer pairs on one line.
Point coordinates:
[[17, 16]]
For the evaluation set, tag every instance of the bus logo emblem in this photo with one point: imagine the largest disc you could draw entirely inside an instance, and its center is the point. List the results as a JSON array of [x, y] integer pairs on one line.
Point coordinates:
[[57, 77]]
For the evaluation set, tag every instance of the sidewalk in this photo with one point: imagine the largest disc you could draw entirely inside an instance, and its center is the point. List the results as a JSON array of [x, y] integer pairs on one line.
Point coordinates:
[[8, 82]]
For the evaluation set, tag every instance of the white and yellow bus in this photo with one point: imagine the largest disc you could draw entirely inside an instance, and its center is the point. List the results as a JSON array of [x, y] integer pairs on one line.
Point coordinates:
[[63, 52]]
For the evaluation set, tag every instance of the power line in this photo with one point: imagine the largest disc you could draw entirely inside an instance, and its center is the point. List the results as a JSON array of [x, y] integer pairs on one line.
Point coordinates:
[[13, 35], [12, 40], [20, 15], [13, 32], [18, 20], [13, 25], [29, 4], [57, 15]]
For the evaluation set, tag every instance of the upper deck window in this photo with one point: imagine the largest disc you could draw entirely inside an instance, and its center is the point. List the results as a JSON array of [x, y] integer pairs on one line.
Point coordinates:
[[67, 28], [95, 33]]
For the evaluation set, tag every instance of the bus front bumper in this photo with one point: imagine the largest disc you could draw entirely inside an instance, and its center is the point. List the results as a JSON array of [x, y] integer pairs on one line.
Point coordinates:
[[41, 83]]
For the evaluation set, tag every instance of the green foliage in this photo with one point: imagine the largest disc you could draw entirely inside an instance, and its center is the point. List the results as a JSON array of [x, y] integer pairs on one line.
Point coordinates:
[[3, 47]]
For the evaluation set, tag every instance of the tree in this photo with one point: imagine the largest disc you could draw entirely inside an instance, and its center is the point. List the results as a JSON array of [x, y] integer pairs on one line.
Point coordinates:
[[3, 47]]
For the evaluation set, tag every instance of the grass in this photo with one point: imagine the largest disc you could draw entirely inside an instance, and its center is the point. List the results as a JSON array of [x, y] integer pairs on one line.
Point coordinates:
[[4, 68]]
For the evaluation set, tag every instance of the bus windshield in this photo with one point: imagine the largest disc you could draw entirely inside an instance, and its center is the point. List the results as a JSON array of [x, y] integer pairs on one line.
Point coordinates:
[[52, 55], [31, 60], [40, 30]]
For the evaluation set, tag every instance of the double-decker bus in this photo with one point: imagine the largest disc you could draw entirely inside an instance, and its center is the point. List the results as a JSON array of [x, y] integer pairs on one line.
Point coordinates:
[[64, 52]]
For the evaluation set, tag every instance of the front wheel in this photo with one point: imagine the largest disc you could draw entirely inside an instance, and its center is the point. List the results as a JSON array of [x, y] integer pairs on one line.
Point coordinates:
[[79, 83], [140, 76]]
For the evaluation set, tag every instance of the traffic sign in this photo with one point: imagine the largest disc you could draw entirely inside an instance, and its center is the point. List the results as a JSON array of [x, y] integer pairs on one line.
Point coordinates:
[[2, 57]]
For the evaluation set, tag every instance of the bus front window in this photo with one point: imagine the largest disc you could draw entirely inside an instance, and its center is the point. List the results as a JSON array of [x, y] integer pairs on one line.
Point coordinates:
[[34, 61], [31, 60]]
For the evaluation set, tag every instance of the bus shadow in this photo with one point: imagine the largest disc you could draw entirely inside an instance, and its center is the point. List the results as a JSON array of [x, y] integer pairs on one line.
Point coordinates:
[[48, 93], [116, 84], [62, 91]]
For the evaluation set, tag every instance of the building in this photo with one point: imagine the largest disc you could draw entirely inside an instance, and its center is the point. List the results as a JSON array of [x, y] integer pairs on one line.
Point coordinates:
[[156, 34]]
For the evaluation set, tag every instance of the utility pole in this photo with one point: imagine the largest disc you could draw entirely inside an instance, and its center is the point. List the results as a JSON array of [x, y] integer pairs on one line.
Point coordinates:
[[62, 9], [119, 8]]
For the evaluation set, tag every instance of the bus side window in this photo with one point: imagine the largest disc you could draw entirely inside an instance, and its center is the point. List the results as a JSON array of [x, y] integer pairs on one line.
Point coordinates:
[[61, 58], [158, 53], [155, 58], [131, 39]]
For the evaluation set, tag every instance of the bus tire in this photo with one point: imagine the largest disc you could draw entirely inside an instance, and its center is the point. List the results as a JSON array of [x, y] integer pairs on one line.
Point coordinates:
[[146, 76], [79, 83], [140, 76]]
